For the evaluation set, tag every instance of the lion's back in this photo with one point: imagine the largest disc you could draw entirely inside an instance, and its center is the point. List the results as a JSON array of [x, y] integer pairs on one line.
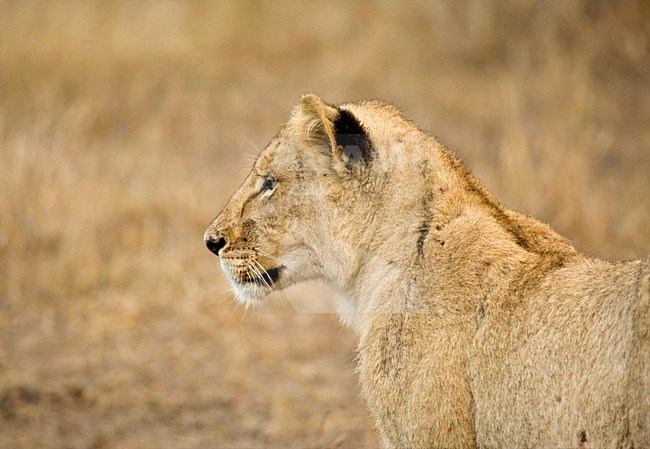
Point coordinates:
[[569, 365]]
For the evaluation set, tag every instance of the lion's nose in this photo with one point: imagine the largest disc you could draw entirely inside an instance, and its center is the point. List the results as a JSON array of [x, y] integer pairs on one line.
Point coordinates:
[[215, 244]]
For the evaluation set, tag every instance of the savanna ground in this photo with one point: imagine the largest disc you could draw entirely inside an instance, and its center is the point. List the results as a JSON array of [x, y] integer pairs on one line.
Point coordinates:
[[121, 129]]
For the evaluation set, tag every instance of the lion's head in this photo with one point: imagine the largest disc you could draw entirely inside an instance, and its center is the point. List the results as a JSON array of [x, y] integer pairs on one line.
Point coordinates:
[[279, 226]]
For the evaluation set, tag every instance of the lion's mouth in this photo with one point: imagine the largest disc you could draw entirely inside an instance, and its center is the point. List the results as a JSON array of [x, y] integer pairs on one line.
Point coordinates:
[[265, 277]]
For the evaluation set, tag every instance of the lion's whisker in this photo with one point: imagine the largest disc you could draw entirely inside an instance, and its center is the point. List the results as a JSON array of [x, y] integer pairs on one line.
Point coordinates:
[[249, 141], [273, 287], [259, 279]]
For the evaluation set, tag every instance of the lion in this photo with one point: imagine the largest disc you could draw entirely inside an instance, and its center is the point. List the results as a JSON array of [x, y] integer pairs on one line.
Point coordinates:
[[478, 326]]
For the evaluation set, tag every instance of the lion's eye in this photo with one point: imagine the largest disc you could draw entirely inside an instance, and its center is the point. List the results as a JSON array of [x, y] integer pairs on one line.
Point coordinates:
[[269, 184]]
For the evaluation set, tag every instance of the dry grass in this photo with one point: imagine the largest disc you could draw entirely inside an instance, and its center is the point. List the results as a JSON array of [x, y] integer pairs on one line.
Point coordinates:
[[120, 130]]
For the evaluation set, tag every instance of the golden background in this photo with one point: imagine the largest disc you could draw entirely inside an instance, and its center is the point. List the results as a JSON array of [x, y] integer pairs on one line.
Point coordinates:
[[124, 129]]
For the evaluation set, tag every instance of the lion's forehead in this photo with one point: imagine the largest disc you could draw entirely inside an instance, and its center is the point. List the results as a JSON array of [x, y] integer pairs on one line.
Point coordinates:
[[276, 156]]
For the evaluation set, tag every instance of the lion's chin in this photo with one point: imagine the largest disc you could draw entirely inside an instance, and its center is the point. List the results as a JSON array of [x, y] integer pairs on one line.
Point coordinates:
[[249, 293]]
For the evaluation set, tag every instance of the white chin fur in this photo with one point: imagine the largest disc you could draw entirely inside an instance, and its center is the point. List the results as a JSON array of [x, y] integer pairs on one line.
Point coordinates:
[[249, 294]]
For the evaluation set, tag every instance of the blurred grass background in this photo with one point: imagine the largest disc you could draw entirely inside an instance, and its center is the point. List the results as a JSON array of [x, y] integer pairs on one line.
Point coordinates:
[[120, 134]]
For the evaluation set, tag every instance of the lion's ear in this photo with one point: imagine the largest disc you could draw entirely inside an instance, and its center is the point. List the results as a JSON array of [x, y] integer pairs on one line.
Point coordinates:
[[313, 121], [317, 122], [352, 142]]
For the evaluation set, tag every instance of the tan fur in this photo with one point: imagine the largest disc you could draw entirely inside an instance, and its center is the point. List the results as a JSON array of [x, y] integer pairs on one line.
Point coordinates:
[[478, 326]]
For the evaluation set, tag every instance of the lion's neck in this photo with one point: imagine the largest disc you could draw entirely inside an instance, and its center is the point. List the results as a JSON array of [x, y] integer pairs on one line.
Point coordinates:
[[443, 247]]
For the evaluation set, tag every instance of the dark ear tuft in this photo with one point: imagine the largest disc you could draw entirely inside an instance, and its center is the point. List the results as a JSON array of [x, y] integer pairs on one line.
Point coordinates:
[[350, 135]]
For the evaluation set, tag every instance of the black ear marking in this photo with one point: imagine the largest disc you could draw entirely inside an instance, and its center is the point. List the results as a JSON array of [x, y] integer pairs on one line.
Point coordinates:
[[350, 135]]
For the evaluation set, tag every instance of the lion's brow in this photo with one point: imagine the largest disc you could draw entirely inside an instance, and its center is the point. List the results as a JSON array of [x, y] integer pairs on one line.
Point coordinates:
[[261, 173]]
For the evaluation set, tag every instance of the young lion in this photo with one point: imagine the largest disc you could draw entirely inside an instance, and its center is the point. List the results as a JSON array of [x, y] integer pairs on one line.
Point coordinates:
[[478, 326]]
